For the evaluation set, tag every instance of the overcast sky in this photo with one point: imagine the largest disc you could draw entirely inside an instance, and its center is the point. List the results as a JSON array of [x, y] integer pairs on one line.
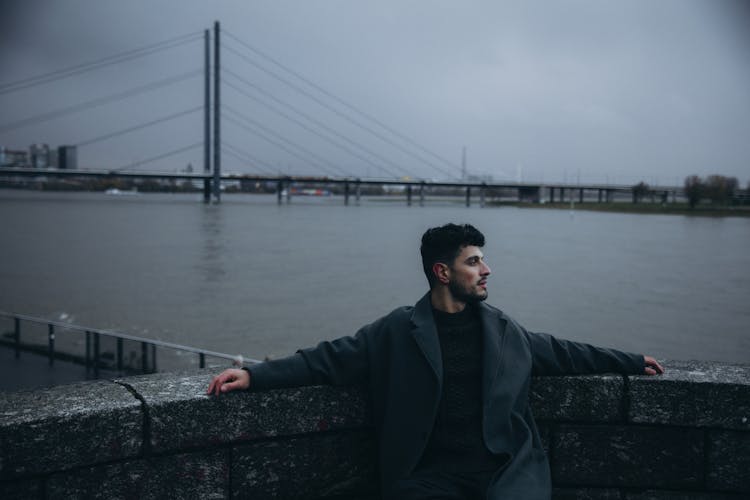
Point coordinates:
[[585, 90]]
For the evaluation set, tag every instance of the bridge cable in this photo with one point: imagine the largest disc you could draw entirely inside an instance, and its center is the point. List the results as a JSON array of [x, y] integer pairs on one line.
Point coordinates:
[[317, 163], [97, 102], [99, 63], [332, 109], [328, 139], [251, 158], [313, 120], [284, 139], [244, 161], [137, 127], [159, 157], [342, 102], [316, 160], [246, 157]]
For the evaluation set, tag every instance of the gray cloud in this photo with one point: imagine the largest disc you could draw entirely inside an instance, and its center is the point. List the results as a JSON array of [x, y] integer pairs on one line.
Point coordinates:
[[606, 90]]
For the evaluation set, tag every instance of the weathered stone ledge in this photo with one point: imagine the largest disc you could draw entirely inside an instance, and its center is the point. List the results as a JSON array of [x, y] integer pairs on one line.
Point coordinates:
[[684, 435]]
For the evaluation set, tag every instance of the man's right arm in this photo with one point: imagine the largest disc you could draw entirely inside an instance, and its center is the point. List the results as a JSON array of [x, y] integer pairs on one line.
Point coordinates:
[[343, 361]]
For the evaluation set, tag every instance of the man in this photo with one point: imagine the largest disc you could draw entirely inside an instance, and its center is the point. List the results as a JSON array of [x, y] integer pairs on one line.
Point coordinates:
[[448, 380]]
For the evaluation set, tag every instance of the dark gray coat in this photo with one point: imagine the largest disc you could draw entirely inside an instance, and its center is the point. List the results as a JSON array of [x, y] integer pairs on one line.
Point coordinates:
[[398, 359]]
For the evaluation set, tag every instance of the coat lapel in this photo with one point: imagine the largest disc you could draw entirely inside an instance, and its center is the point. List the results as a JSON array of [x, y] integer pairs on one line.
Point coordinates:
[[493, 333], [425, 334]]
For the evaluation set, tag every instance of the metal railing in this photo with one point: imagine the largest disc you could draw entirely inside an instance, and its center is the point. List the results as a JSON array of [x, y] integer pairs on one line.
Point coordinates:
[[93, 356]]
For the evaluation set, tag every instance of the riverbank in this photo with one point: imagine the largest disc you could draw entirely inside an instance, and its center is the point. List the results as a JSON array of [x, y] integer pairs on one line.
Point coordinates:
[[637, 208]]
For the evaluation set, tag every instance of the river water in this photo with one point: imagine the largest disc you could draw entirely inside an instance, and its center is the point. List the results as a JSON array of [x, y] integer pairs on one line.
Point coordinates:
[[249, 276]]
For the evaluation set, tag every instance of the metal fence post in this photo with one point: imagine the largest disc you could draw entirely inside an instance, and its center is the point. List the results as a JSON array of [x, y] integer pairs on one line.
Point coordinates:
[[17, 334], [96, 354], [51, 343], [144, 357], [88, 351], [119, 355]]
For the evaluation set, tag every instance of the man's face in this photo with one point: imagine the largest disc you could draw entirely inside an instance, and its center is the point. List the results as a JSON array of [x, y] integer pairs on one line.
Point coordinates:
[[468, 276]]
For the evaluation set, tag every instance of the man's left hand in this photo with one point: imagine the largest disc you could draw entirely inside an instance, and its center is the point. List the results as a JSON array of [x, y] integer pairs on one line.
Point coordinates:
[[652, 366]]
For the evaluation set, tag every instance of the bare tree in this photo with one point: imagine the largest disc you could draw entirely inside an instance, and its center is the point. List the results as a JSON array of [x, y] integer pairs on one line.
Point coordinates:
[[720, 189]]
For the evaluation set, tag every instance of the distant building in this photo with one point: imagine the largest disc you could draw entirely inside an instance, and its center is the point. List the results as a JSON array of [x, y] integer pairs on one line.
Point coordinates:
[[67, 157], [12, 158], [39, 155]]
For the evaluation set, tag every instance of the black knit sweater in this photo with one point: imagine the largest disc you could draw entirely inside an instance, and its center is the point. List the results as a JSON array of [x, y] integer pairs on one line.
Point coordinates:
[[457, 434]]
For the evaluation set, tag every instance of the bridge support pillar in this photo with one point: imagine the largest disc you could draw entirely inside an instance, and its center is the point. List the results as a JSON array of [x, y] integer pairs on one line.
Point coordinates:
[[358, 192], [421, 194], [408, 195], [551, 194], [482, 195], [580, 196], [468, 196], [206, 191], [279, 191], [599, 195], [346, 193]]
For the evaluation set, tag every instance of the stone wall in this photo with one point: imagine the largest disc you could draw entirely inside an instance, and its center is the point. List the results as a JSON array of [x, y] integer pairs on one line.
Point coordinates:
[[684, 435]]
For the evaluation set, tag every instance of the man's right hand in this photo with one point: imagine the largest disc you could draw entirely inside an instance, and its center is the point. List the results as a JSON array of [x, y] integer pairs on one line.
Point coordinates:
[[231, 379]]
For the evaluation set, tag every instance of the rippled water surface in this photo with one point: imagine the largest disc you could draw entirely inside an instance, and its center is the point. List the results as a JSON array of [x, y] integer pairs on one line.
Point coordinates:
[[253, 277]]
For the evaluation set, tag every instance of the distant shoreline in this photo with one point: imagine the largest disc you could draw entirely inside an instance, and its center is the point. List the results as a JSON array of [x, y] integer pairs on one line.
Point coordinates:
[[637, 208], [679, 208]]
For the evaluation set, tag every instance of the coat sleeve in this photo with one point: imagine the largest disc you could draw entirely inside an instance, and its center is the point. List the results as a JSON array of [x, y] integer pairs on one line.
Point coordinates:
[[343, 361], [553, 356]]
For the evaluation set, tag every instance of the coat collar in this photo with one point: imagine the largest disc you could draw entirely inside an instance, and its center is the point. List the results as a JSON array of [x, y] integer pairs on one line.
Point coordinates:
[[493, 332], [425, 334]]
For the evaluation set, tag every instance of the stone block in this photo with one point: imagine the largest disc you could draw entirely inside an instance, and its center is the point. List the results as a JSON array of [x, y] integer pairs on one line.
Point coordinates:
[[189, 475], [585, 494], [693, 393], [181, 415], [325, 465], [648, 457], [729, 461], [544, 435], [46, 430], [681, 495], [23, 489], [595, 398]]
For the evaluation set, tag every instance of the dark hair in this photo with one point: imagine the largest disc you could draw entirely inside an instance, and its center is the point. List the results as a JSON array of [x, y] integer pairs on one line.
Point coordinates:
[[444, 243]]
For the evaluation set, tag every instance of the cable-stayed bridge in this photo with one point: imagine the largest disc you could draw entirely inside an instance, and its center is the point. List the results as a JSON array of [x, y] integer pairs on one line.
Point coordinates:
[[267, 107]]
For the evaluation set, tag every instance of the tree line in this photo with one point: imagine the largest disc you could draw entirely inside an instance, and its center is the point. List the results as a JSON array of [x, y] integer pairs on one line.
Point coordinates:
[[718, 189]]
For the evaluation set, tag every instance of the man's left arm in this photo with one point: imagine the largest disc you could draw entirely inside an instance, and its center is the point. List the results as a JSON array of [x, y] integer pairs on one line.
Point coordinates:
[[553, 356]]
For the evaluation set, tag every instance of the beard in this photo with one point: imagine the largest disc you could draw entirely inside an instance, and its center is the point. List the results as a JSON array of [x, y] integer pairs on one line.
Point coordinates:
[[466, 295]]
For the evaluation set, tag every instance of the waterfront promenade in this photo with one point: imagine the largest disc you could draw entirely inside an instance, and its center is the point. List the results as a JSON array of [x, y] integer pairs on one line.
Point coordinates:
[[681, 435]]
